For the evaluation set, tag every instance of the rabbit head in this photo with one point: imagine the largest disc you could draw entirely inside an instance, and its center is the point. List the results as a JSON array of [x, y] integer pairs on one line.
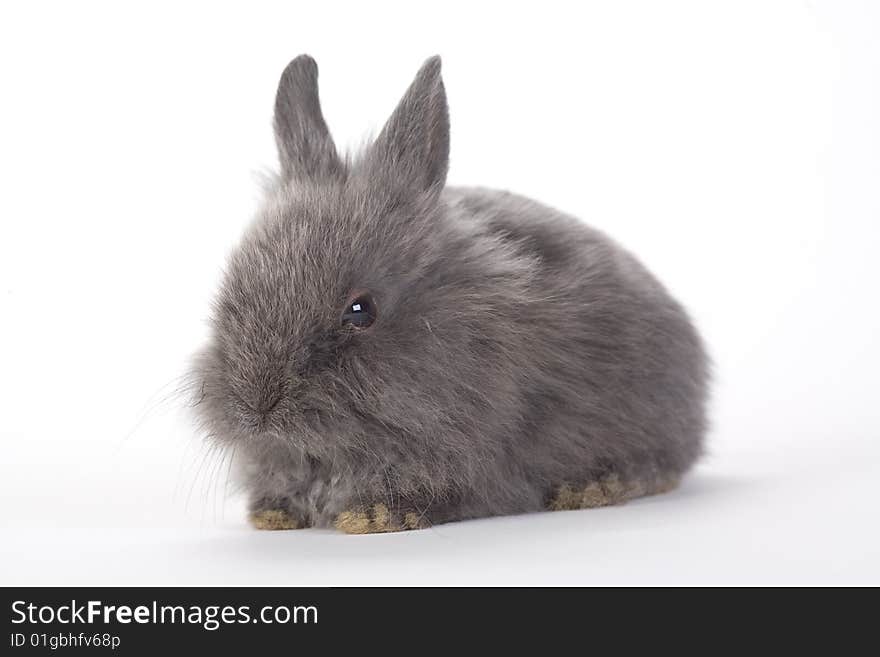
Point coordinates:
[[356, 310]]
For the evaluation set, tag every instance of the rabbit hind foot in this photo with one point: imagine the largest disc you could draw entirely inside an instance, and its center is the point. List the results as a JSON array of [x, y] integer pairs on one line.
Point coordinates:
[[608, 491]]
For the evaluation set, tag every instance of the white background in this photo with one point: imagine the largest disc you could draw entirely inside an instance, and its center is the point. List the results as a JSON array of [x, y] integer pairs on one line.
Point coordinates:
[[734, 146]]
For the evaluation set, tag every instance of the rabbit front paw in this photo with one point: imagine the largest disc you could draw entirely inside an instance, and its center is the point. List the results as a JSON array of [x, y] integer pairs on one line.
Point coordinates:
[[377, 519], [274, 519]]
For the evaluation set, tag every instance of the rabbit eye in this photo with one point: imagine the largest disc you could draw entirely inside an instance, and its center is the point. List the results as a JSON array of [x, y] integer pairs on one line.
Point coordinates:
[[360, 312]]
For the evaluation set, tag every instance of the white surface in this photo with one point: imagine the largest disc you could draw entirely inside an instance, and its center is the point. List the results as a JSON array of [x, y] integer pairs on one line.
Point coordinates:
[[735, 148]]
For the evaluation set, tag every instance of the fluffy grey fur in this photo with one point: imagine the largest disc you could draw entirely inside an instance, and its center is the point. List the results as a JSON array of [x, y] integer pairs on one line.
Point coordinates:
[[516, 352]]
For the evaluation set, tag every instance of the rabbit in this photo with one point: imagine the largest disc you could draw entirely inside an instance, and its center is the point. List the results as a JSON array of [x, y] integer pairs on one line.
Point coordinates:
[[388, 353]]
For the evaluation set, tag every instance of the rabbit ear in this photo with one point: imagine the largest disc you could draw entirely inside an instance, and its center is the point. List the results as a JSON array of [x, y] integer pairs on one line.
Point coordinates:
[[413, 147], [305, 146]]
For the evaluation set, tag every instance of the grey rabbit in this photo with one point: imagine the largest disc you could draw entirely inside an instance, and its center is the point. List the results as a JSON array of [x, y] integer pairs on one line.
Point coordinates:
[[389, 353]]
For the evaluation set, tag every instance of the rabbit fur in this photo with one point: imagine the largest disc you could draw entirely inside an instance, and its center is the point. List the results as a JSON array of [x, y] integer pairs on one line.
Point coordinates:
[[519, 360]]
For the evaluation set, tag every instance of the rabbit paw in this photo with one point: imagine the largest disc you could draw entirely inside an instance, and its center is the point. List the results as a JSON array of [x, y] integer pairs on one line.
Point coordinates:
[[608, 491], [377, 519], [274, 519]]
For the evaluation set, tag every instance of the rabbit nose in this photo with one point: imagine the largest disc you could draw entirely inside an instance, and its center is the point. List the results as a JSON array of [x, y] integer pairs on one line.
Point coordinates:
[[268, 405], [261, 404]]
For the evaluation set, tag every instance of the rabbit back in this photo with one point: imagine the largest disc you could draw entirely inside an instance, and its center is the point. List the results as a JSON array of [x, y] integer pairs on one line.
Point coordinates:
[[614, 375]]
